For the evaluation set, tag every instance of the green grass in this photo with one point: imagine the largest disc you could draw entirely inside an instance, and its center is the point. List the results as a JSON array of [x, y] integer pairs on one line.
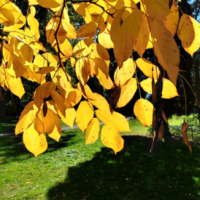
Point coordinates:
[[136, 128], [74, 171], [7, 125]]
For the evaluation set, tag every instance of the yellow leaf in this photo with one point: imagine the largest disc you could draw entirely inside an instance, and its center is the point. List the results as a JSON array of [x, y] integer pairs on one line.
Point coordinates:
[[150, 42], [50, 3], [95, 99], [87, 30], [66, 50], [95, 9], [51, 28], [189, 34], [51, 58], [11, 16], [146, 67], [171, 20], [105, 40], [147, 85], [37, 46], [52, 124], [32, 10], [71, 32], [27, 53], [83, 70], [143, 37], [35, 143], [103, 73], [34, 26], [93, 64], [112, 139], [32, 2], [116, 25], [169, 90], [65, 18], [126, 36], [166, 49], [80, 8], [39, 125], [92, 131], [143, 110], [74, 96], [60, 76], [125, 73], [157, 9], [100, 52], [18, 65], [26, 118], [62, 82], [70, 115], [28, 37], [45, 70], [130, 6], [6, 52], [42, 92], [16, 87], [31, 75], [83, 44], [73, 61], [127, 92], [40, 61], [59, 101], [115, 120], [84, 114]]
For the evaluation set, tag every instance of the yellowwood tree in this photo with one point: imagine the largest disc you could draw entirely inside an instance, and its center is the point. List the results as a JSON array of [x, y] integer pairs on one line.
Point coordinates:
[[125, 26]]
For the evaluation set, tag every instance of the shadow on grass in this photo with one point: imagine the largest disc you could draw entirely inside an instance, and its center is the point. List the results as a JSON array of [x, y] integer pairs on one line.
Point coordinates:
[[8, 124], [13, 149], [134, 174]]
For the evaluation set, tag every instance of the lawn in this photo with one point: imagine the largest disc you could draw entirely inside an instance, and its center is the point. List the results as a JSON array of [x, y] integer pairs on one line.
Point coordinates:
[[7, 125], [74, 171]]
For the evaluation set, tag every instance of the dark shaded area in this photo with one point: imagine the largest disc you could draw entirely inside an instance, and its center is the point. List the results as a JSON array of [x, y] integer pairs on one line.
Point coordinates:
[[7, 125], [133, 173]]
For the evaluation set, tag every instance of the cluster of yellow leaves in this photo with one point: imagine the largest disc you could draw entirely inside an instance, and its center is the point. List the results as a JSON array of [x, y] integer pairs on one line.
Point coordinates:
[[118, 24]]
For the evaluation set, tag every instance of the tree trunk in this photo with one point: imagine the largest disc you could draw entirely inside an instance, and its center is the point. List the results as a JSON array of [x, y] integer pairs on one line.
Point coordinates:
[[2, 104]]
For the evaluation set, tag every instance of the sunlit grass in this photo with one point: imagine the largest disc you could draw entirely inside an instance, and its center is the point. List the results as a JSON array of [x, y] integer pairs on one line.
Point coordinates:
[[74, 171]]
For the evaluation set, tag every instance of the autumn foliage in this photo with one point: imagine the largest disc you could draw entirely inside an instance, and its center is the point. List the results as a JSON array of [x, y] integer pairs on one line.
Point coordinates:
[[125, 26]]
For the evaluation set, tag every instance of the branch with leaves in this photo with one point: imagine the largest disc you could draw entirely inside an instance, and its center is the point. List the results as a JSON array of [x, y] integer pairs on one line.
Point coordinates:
[[116, 25]]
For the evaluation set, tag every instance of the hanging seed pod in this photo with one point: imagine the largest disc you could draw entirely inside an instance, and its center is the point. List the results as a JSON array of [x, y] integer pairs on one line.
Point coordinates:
[[164, 117], [45, 109], [114, 97], [154, 90], [154, 121], [161, 131], [184, 130]]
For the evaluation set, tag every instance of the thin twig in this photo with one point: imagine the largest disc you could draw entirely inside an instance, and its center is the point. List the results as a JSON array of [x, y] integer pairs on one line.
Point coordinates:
[[190, 88]]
